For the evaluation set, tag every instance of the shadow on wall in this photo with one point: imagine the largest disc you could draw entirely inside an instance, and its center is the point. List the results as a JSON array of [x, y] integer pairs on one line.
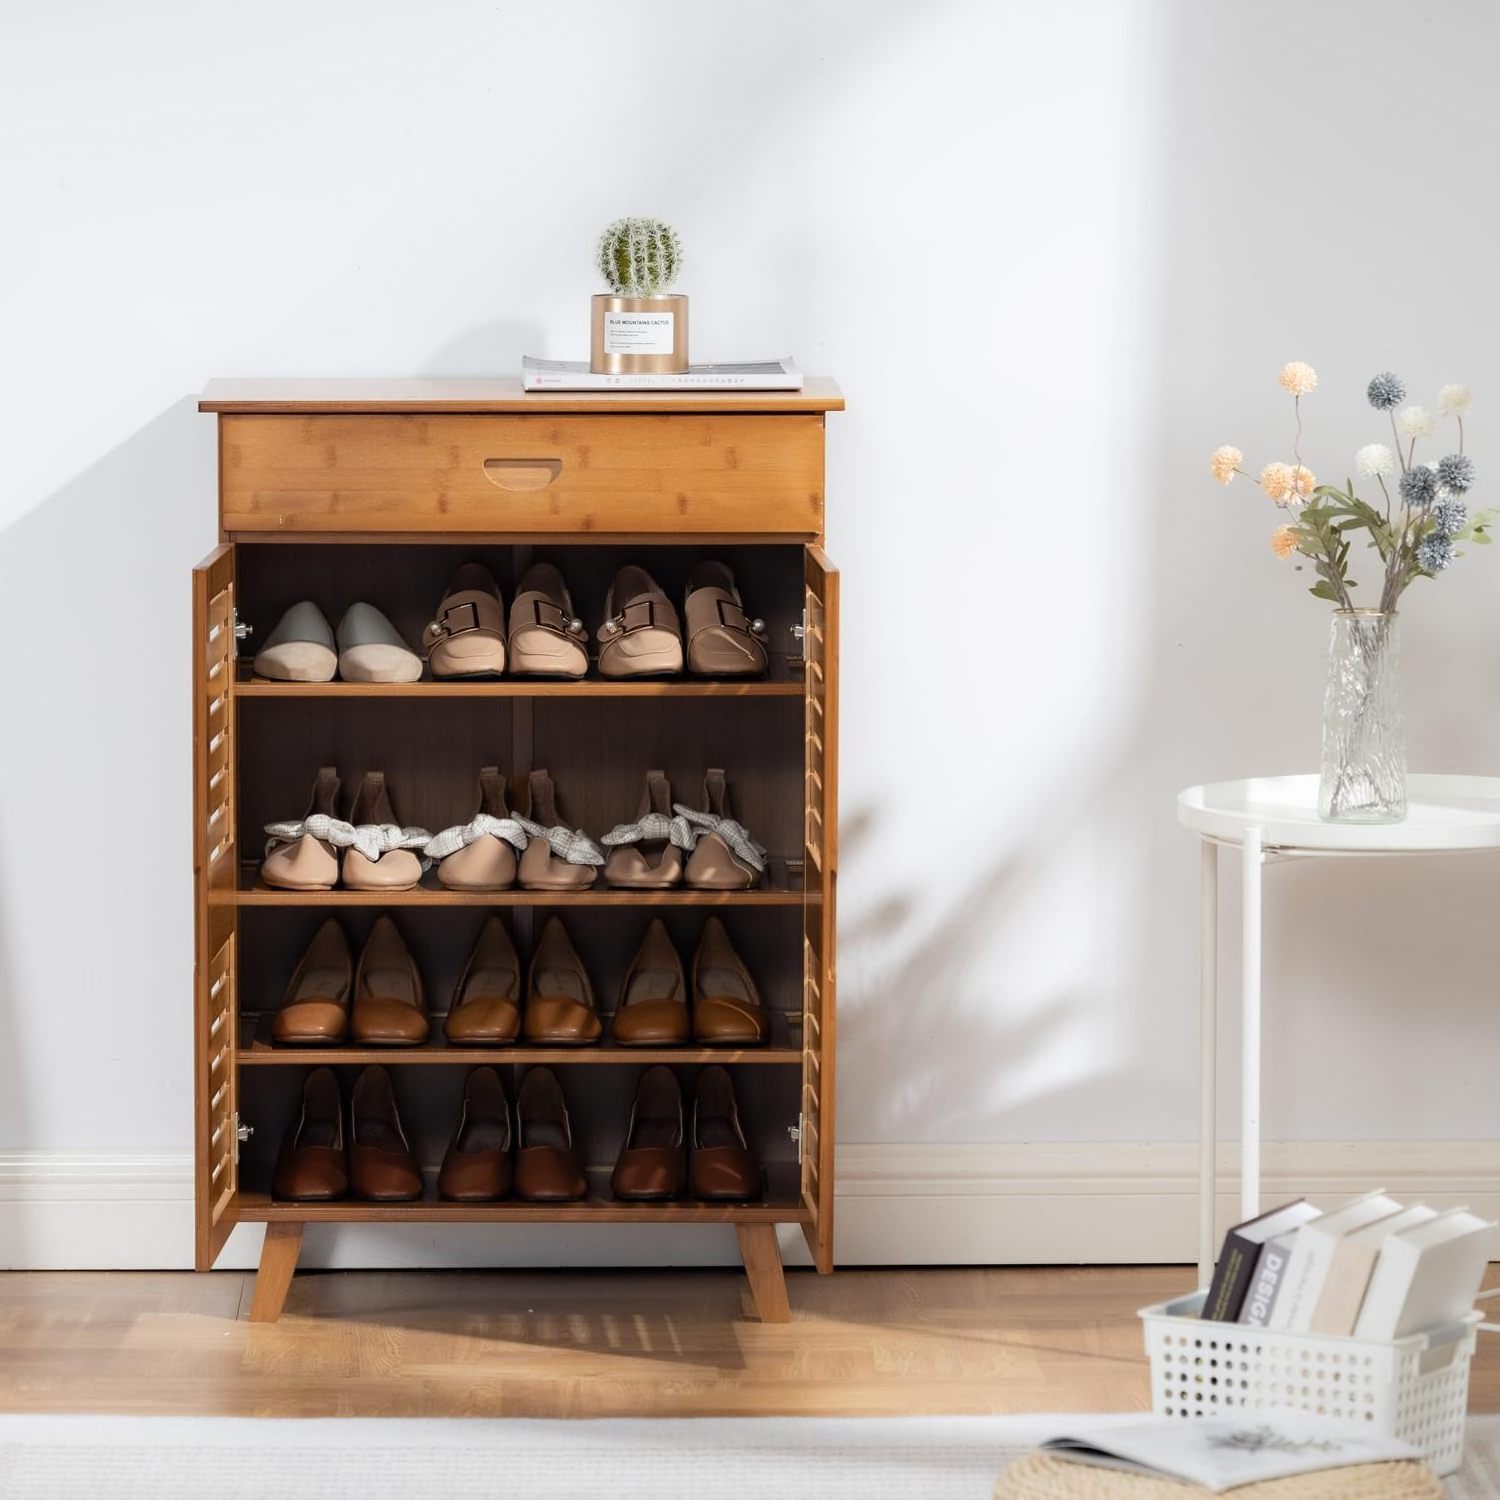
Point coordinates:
[[96, 863]]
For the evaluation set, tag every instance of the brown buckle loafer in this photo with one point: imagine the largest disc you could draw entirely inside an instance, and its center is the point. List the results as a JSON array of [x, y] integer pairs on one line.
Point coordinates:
[[477, 1167], [466, 637], [723, 1167], [722, 640], [389, 1009], [641, 635], [382, 1168], [486, 1010], [653, 1161], [547, 1167], [546, 638], [653, 1009], [727, 1008], [313, 1166], [560, 1009], [316, 1008]]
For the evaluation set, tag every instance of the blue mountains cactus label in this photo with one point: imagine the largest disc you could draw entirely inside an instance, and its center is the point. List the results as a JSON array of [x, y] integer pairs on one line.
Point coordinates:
[[639, 332]]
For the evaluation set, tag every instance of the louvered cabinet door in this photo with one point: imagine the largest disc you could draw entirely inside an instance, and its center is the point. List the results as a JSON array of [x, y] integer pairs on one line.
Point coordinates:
[[215, 959], [820, 837]]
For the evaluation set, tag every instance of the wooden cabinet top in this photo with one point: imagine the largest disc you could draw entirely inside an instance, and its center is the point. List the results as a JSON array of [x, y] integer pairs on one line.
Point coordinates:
[[504, 394]]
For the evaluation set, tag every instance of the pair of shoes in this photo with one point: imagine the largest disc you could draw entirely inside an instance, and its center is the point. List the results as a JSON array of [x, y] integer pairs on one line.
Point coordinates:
[[671, 844], [654, 1008], [468, 636], [661, 1160], [478, 1167], [642, 635], [378, 1003], [314, 1164], [368, 648], [302, 854]]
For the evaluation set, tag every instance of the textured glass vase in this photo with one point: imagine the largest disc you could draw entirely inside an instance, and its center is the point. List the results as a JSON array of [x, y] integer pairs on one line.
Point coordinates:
[[1364, 731]]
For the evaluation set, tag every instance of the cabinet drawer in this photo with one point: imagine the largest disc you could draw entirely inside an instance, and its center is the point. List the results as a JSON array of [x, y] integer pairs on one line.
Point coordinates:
[[523, 474]]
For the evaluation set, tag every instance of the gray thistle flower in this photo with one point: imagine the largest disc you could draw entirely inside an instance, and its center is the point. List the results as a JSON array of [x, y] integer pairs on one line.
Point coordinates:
[[1449, 517], [1386, 391], [1418, 485], [1456, 473], [1435, 553]]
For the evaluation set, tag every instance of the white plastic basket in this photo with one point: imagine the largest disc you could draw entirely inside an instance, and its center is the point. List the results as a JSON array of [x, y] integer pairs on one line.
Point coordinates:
[[1415, 1389]]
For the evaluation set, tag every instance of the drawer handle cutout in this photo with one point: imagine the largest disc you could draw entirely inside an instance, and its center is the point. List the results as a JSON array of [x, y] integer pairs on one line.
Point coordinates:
[[522, 473]]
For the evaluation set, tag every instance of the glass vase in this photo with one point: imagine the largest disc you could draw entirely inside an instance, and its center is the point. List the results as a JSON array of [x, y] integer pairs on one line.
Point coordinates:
[[1364, 730]]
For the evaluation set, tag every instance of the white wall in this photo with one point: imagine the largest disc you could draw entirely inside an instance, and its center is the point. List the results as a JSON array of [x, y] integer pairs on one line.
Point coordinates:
[[1055, 253]]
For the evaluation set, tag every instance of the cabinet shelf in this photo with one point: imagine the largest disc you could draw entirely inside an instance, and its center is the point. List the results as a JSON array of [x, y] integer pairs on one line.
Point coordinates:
[[776, 892]]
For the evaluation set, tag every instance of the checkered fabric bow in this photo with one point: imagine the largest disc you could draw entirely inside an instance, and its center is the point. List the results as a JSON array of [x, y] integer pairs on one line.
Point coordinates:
[[570, 844], [734, 834], [460, 836], [371, 839], [654, 825]]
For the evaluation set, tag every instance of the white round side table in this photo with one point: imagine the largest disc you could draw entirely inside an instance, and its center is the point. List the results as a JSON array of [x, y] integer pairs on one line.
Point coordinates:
[[1272, 818]]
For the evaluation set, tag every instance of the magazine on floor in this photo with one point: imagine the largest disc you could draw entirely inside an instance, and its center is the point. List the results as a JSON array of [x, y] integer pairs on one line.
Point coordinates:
[[1222, 1453]]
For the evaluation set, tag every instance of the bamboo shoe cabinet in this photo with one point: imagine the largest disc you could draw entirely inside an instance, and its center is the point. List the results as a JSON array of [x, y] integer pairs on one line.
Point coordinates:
[[339, 491]]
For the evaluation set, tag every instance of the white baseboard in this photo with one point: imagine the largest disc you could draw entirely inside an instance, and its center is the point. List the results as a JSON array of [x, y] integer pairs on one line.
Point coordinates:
[[1045, 1203]]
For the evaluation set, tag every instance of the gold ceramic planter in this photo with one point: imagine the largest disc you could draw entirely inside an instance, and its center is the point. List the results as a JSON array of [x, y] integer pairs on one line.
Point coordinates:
[[639, 335]]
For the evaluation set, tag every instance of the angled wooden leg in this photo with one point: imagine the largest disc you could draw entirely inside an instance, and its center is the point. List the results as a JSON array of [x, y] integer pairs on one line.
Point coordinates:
[[278, 1259], [762, 1257]]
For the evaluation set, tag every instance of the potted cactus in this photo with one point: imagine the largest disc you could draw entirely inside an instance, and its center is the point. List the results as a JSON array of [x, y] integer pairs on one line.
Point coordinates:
[[639, 327]]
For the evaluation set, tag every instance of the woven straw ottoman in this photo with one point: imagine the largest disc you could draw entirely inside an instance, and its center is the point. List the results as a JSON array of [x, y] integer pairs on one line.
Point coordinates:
[[1039, 1476]]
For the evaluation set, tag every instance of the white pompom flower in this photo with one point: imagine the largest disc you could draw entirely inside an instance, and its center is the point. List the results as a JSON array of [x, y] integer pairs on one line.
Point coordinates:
[[1415, 421], [1375, 461], [1453, 400]]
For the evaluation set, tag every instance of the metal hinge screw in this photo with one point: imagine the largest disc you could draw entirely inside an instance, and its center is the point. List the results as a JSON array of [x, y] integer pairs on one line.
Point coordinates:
[[242, 631], [794, 1134], [242, 1133]]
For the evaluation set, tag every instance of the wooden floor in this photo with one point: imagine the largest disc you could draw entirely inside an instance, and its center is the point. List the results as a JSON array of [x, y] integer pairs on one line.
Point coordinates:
[[583, 1344]]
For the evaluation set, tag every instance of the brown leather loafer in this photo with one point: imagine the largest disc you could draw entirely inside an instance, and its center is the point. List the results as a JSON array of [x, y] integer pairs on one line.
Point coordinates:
[[727, 1008], [547, 1167], [641, 635], [467, 636], [486, 1010], [722, 1166], [543, 868], [477, 1168], [389, 1010], [546, 638], [312, 1166], [396, 869], [316, 1008], [307, 863], [642, 856], [488, 862], [560, 1009], [653, 1010], [382, 1168], [653, 1161], [722, 640]]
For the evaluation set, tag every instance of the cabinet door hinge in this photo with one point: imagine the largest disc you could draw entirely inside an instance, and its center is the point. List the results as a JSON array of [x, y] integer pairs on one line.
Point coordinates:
[[241, 631], [242, 1133], [795, 1133]]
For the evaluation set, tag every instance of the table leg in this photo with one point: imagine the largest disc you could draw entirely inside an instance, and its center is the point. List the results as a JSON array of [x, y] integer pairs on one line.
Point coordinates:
[[1250, 938], [1208, 1053]]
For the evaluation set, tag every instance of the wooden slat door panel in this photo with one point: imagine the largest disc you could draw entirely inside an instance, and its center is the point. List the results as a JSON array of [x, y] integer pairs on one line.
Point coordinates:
[[215, 959], [820, 824]]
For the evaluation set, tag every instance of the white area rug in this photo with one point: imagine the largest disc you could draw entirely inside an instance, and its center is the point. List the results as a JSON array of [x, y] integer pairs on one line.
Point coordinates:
[[756, 1458]]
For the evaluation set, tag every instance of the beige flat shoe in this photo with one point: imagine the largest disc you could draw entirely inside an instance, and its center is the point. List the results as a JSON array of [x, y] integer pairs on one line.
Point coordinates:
[[300, 649], [641, 635], [467, 637], [546, 638], [304, 862], [725, 857], [560, 1008], [647, 855], [653, 1008], [722, 640], [486, 1010], [371, 649], [556, 858], [481, 854], [393, 869]]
